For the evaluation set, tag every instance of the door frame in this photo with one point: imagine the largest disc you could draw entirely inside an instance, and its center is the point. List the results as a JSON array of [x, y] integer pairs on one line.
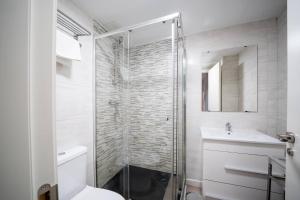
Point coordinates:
[[42, 93]]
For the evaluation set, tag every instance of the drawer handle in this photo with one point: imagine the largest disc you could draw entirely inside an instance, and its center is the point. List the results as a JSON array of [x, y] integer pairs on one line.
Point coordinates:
[[249, 171]]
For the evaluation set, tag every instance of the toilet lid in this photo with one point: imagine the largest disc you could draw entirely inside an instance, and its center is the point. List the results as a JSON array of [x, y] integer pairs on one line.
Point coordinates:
[[91, 193]]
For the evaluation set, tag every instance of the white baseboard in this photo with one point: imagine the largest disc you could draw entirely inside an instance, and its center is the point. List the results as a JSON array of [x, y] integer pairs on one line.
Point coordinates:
[[194, 182]]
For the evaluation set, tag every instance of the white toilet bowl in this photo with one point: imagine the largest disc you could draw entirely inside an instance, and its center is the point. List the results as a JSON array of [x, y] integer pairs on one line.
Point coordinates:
[[91, 193]]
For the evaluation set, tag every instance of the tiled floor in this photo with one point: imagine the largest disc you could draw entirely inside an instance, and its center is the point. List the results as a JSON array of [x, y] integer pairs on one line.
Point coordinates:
[[194, 192], [191, 188], [144, 184]]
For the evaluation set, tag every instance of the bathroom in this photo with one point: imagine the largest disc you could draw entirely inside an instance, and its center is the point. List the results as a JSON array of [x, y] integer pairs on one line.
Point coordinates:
[[150, 100]]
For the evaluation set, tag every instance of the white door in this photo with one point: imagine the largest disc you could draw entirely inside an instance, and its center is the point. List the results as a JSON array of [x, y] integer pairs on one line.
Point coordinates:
[[42, 96], [293, 110], [214, 88], [27, 137]]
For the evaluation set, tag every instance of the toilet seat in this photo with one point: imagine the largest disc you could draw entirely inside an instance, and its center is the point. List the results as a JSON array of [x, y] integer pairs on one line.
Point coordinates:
[[91, 193]]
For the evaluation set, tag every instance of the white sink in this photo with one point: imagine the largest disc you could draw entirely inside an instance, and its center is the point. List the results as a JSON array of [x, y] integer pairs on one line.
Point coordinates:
[[235, 165], [238, 135]]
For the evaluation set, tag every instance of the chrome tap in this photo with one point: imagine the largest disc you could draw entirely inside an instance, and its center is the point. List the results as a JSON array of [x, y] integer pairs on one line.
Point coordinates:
[[228, 128]]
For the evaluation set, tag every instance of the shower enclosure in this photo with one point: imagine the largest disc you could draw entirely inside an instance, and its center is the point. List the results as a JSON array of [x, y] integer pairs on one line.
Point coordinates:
[[140, 110]]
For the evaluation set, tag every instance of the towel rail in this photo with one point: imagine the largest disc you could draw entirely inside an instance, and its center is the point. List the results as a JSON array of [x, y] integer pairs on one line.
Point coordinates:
[[70, 26]]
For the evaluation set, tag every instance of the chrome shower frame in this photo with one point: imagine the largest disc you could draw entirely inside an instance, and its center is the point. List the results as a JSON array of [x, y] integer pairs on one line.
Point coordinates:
[[177, 34], [140, 25]]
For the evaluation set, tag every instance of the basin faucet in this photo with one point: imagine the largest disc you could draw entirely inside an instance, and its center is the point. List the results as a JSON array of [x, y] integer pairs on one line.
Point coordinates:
[[228, 128]]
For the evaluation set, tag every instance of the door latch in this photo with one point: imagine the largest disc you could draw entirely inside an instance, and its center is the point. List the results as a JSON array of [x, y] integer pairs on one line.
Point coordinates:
[[287, 137]]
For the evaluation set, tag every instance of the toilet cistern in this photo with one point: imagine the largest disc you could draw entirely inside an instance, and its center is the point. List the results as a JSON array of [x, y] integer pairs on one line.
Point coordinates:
[[228, 128]]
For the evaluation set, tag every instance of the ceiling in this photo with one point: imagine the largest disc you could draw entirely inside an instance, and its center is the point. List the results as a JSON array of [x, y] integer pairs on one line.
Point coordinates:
[[198, 15]]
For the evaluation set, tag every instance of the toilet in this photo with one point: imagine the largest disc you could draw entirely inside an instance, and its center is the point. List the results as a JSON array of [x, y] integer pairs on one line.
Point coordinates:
[[72, 173]]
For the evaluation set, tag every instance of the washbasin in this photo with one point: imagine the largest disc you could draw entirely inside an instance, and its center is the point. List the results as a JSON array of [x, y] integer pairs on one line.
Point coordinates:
[[238, 135]]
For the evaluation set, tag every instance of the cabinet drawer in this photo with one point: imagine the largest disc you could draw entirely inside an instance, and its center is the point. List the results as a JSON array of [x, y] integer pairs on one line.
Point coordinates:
[[243, 147], [238, 169], [220, 191]]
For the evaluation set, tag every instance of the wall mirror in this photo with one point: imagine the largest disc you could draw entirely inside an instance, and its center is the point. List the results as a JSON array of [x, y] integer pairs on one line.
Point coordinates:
[[229, 79]]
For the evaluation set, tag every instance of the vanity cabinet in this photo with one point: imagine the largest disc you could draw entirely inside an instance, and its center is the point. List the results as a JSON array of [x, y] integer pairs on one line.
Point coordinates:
[[236, 169]]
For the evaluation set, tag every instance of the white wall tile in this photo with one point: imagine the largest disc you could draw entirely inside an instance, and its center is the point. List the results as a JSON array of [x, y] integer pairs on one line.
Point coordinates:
[[269, 118], [74, 109]]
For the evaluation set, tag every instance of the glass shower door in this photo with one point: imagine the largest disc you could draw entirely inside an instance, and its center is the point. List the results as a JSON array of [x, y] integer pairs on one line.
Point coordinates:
[[151, 112], [139, 99], [111, 104]]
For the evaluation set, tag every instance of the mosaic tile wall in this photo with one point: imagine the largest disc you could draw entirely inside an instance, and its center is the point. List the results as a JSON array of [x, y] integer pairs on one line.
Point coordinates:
[[133, 116], [109, 131], [151, 101]]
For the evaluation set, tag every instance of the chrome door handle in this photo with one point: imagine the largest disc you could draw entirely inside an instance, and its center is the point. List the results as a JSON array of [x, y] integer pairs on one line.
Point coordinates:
[[287, 137]]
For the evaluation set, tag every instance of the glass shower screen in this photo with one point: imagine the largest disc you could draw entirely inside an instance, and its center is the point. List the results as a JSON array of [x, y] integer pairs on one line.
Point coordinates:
[[111, 105], [151, 112], [138, 112]]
